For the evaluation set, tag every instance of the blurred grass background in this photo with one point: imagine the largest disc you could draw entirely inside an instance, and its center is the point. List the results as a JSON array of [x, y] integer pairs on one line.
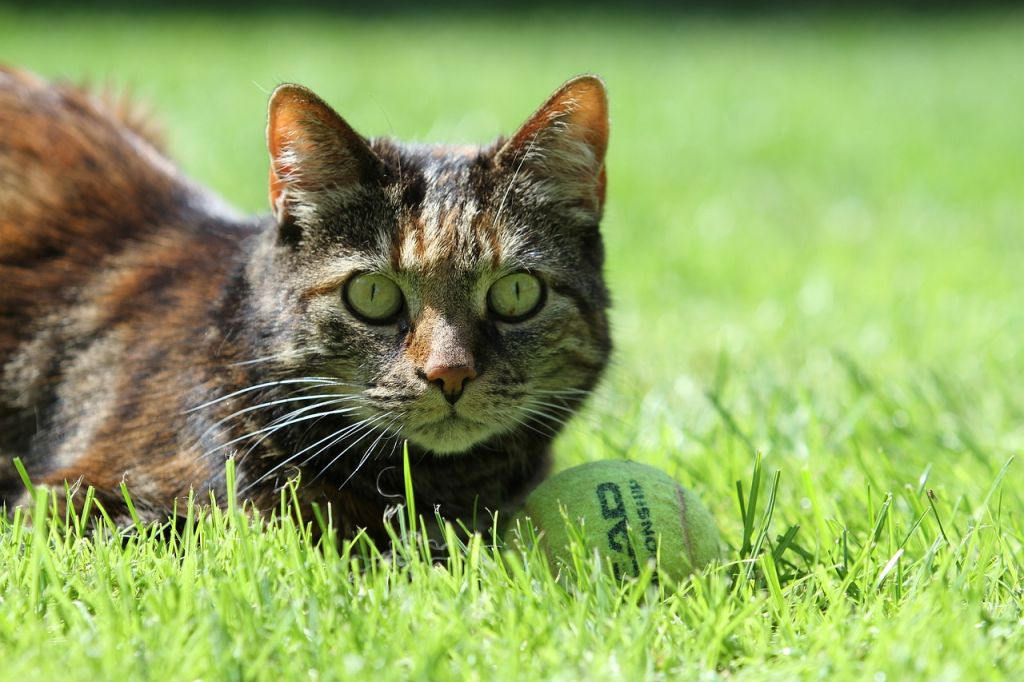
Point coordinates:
[[815, 224]]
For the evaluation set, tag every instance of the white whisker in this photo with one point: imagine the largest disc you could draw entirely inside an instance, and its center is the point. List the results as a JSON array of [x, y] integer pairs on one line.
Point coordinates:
[[270, 358], [561, 390], [542, 415], [316, 381], [269, 433], [367, 425], [334, 437], [369, 450], [563, 408], [336, 397], [526, 423], [276, 427]]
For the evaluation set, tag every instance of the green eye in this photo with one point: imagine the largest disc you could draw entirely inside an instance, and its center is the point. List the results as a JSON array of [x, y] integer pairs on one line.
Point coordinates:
[[515, 297], [373, 297]]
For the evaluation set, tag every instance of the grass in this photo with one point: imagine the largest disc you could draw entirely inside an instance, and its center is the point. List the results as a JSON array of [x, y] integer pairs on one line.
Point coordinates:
[[814, 236]]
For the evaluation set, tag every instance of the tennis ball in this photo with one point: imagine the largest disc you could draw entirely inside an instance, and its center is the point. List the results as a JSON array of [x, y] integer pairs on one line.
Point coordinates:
[[628, 511]]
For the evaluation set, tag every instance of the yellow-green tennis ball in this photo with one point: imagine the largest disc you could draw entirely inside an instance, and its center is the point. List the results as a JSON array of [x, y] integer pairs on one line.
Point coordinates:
[[628, 511]]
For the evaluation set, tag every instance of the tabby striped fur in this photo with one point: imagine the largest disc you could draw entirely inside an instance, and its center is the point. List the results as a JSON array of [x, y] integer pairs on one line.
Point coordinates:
[[148, 333]]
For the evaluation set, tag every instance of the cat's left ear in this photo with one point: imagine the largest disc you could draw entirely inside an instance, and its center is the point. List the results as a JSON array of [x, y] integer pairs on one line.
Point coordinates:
[[562, 146], [316, 159]]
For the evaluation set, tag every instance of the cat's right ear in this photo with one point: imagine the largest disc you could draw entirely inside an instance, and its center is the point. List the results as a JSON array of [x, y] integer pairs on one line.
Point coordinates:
[[563, 145], [317, 161]]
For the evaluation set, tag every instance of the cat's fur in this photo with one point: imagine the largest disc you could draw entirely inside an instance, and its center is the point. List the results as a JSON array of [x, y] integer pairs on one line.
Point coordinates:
[[147, 333]]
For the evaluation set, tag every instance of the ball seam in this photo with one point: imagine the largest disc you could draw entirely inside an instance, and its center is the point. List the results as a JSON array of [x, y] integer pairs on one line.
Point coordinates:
[[687, 540]]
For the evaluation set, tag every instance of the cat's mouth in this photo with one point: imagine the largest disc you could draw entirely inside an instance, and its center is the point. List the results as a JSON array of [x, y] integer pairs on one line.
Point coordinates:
[[450, 434]]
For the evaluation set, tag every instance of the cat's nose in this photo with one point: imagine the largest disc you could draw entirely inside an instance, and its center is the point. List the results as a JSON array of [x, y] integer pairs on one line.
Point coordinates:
[[451, 379]]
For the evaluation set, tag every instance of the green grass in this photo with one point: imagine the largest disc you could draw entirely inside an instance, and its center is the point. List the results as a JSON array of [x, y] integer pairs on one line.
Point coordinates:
[[816, 239]]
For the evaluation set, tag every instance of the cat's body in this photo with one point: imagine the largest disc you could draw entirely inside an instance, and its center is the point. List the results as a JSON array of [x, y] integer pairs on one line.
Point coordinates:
[[450, 297]]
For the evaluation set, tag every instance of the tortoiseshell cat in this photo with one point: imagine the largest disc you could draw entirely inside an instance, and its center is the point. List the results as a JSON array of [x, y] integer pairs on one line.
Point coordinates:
[[448, 296]]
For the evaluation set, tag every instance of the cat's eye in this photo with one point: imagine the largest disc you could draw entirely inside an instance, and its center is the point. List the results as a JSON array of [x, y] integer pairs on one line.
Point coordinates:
[[373, 297], [515, 297]]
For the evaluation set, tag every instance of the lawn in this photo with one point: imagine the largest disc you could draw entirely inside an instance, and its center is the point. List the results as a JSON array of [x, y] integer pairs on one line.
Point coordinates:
[[815, 232]]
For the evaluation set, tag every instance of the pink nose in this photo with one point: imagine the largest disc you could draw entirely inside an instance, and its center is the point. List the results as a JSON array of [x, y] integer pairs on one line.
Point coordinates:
[[451, 380]]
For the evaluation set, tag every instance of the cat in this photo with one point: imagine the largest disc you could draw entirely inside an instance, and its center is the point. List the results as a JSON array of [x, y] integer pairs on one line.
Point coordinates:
[[445, 297]]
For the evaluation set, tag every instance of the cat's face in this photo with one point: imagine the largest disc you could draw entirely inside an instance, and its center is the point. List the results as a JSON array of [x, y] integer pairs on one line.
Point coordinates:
[[457, 293]]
